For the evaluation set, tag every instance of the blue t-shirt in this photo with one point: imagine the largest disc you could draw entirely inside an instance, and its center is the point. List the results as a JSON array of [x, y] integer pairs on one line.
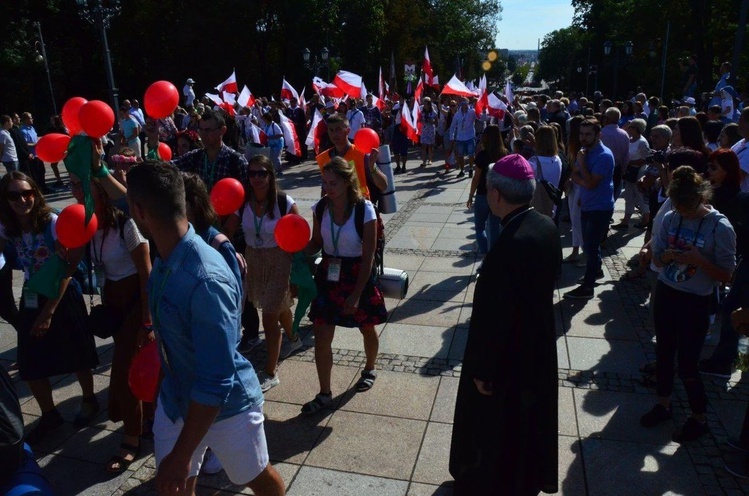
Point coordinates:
[[130, 129], [600, 161]]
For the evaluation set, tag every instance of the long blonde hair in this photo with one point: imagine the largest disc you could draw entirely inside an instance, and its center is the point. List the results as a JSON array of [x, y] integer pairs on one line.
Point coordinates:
[[347, 172]]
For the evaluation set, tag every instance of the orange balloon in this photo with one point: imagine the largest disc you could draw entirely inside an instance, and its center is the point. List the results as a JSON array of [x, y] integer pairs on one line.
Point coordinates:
[[70, 114], [52, 147], [96, 118], [366, 139], [143, 376], [227, 196], [71, 228], [161, 99], [165, 153], [292, 233]]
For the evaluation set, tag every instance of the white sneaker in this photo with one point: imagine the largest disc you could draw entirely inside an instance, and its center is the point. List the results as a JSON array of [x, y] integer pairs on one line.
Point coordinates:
[[267, 382], [289, 347], [211, 464]]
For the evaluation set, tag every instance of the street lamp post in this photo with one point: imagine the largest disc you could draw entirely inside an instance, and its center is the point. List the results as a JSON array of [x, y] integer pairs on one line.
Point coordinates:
[[316, 64], [39, 45], [101, 16], [618, 62]]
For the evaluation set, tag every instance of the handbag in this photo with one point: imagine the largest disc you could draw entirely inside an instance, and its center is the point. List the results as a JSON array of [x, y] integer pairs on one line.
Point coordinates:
[[102, 323], [554, 193], [630, 175]]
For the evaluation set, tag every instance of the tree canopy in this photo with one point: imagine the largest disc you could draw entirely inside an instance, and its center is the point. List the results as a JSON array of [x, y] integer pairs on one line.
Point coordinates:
[[263, 40]]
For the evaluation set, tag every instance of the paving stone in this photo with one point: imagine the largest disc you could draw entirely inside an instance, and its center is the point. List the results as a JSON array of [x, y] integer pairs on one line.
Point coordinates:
[[432, 466], [417, 340], [398, 395], [314, 481]]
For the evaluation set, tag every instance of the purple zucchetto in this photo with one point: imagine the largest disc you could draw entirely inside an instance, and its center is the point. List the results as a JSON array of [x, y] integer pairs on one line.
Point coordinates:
[[513, 166]]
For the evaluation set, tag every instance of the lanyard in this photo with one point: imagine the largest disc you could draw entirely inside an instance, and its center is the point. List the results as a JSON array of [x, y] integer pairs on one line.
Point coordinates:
[[333, 234], [696, 233], [209, 179], [258, 225]]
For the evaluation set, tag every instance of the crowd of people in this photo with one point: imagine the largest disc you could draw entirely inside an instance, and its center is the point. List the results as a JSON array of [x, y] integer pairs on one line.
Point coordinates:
[[166, 262]]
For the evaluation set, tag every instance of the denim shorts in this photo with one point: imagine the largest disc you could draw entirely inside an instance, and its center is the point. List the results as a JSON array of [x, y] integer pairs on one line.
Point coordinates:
[[467, 147]]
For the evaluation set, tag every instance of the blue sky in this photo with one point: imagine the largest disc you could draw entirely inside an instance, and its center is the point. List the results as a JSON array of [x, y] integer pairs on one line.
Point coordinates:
[[525, 21]]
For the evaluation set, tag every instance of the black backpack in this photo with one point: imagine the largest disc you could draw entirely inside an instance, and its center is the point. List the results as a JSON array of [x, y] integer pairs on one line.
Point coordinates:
[[11, 429], [378, 264]]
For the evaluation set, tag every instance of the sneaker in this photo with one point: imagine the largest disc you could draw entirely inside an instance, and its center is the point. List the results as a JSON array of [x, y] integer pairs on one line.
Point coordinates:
[[657, 415], [738, 469], [267, 382], [599, 275], [582, 292], [211, 464], [89, 410], [690, 431], [736, 444], [49, 422], [708, 368], [461, 174], [289, 347], [247, 345]]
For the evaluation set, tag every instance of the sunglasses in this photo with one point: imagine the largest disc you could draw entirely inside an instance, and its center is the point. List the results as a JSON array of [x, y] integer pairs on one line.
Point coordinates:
[[17, 195], [262, 174]]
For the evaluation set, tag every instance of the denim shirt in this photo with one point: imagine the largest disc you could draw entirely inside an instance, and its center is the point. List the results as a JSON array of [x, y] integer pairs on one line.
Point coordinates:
[[196, 304]]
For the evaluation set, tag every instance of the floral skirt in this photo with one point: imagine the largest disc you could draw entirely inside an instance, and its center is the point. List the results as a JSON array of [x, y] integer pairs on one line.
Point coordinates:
[[267, 281], [327, 307]]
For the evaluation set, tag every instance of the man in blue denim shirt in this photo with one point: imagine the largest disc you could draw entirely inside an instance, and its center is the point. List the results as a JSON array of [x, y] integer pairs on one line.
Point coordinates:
[[209, 395]]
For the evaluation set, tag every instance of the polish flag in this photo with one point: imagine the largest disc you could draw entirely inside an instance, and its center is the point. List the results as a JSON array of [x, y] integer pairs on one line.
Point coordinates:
[[289, 136], [380, 102], [214, 98], [407, 125], [482, 83], [363, 94], [326, 89], [416, 117], [229, 98], [230, 85], [288, 92], [456, 87], [228, 108], [312, 138], [427, 67], [482, 104], [302, 100], [508, 94], [435, 82], [497, 107], [257, 135], [349, 82], [417, 92], [245, 98]]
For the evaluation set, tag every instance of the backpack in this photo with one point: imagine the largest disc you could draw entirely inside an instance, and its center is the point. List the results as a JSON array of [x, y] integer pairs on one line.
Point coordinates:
[[378, 264]]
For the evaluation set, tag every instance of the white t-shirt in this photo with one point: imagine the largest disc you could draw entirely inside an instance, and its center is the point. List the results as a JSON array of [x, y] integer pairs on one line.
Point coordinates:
[[356, 121], [551, 167], [639, 149], [742, 151], [9, 147], [114, 252], [189, 94], [349, 242], [267, 225], [726, 107]]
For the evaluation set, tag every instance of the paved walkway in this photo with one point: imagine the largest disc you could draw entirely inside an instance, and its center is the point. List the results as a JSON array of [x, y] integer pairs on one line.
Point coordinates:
[[394, 439]]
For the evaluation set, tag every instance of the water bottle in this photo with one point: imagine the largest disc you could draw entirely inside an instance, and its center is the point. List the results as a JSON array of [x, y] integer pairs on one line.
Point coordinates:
[[742, 361]]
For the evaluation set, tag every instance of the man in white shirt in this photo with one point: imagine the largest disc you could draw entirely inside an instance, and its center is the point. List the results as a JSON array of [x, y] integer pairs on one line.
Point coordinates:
[[742, 150], [189, 92], [7, 146], [355, 117], [463, 134]]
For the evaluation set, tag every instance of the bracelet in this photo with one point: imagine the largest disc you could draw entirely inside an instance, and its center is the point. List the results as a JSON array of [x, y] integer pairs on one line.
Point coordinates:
[[100, 172]]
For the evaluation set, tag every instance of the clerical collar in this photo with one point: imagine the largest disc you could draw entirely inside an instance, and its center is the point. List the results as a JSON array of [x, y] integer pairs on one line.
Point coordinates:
[[515, 213]]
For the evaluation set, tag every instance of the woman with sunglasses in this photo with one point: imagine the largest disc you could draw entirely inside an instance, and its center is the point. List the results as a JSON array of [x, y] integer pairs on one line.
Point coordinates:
[[120, 257], [268, 266], [54, 337]]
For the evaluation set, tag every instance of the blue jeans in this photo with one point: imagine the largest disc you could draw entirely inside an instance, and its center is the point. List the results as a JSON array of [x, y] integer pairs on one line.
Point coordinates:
[[738, 297], [595, 226], [485, 223]]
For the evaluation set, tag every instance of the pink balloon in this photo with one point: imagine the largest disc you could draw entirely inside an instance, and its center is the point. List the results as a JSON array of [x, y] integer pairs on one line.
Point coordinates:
[[96, 118], [227, 196], [161, 99], [366, 139], [52, 147], [70, 114], [71, 228]]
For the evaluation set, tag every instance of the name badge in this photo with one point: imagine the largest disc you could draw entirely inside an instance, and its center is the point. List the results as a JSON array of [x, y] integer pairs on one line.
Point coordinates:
[[30, 299], [334, 270]]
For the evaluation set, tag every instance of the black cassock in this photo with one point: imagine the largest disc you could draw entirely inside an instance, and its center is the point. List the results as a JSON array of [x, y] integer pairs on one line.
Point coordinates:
[[506, 444]]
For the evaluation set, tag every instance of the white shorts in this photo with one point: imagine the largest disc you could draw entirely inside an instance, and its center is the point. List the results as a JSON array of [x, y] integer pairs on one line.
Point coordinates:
[[238, 442]]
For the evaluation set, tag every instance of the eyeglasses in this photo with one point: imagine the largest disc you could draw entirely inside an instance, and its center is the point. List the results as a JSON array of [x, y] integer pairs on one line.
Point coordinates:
[[14, 196], [262, 174], [207, 129]]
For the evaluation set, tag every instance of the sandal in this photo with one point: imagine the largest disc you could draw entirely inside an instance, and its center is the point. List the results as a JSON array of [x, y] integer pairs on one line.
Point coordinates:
[[320, 402], [118, 464], [367, 381]]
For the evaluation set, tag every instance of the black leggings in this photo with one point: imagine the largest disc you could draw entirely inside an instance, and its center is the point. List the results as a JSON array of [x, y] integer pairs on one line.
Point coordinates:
[[681, 323], [8, 308]]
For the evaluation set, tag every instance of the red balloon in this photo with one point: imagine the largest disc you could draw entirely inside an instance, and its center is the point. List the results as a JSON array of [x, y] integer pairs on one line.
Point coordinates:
[[366, 139], [143, 377], [96, 118], [165, 153], [227, 196], [71, 227], [292, 233], [70, 114], [161, 99], [52, 147]]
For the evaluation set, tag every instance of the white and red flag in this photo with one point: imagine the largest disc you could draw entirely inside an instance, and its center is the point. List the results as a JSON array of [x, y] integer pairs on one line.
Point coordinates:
[[288, 92], [427, 67], [302, 100], [214, 98], [245, 98], [435, 82], [417, 92], [326, 89], [483, 101], [363, 93], [349, 82], [407, 125], [312, 137], [416, 117], [508, 94], [229, 98], [496, 106], [230, 85], [289, 136], [456, 87]]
